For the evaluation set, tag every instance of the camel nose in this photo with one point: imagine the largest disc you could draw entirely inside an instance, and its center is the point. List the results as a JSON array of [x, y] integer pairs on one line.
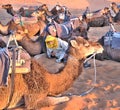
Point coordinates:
[[100, 50]]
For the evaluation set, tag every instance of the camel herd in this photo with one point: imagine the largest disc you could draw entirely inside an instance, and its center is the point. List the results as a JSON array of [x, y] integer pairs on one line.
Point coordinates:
[[33, 88]]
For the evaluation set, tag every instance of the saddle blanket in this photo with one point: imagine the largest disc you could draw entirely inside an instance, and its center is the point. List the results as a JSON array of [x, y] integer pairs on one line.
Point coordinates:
[[112, 39], [4, 65]]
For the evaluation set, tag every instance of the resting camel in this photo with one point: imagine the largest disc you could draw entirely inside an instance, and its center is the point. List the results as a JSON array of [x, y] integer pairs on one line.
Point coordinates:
[[40, 14], [24, 11], [98, 18], [60, 16], [32, 45], [116, 10], [30, 29], [34, 87], [26, 35], [59, 9], [45, 8]]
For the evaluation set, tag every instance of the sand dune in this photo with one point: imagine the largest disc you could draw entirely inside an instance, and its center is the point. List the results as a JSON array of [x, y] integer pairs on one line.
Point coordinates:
[[76, 4]]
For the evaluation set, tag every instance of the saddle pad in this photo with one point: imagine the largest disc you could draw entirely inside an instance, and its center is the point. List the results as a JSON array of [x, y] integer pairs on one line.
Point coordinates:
[[63, 30], [108, 38], [25, 67], [116, 42], [112, 39], [24, 20]]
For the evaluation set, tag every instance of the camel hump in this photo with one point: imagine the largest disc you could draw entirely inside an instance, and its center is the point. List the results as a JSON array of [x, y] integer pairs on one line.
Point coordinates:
[[49, 64]]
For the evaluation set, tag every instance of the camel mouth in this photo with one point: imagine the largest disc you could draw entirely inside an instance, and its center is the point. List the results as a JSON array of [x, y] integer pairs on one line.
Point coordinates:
[[100, 50]]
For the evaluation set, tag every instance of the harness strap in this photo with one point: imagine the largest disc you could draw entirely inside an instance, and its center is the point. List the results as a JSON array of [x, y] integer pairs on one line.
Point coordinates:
[[94, 82], [21, 22], [12, 78], [66, 28]]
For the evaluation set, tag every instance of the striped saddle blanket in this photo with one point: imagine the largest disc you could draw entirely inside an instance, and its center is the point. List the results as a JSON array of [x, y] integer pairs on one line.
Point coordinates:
[[112, 39]]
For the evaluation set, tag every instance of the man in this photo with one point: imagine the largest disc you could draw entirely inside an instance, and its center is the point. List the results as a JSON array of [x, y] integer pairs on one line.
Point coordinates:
[[56, 48]]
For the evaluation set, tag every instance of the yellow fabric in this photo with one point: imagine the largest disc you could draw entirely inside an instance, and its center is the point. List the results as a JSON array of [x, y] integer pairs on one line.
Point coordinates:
[[51, 39]]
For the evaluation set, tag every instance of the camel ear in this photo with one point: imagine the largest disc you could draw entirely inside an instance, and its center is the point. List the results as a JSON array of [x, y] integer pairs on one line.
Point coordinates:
[[73, 43]]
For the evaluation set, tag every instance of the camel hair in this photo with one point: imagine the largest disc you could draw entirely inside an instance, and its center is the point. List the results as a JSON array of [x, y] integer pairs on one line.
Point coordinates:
[[34, 88]]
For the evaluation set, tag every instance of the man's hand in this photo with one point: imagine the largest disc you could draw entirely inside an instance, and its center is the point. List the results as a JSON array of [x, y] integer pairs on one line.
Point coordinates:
[[52, 53]]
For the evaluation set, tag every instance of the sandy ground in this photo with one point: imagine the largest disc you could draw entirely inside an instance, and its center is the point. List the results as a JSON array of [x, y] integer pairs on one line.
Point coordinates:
[[106, 94]]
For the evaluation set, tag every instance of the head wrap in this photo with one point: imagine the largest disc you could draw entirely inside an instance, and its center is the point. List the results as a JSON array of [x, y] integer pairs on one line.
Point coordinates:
[[50, 38]]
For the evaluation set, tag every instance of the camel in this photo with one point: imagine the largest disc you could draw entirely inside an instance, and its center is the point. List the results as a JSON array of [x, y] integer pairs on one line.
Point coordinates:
[[26, 20], [45, 8], [98, 18], [24, 11], [33, 47], [60, 16], [28, 39], [59, 9], [116, 10], [40, 14], [29, 29], [9, 9], [35, 87], [58, 13]]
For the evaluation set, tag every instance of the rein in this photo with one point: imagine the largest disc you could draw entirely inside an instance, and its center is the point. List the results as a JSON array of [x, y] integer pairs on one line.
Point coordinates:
[[95, 74]]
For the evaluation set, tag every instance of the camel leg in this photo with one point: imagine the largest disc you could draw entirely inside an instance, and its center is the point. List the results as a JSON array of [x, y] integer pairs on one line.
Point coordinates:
[[48, 101], [31, 101], [36, 101], [57, 100]]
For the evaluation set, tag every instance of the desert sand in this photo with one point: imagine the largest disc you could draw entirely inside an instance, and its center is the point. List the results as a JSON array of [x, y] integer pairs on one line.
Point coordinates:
[[106, 92]]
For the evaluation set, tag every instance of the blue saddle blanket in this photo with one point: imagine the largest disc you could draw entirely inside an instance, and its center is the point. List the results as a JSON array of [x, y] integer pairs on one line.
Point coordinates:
[[112, 39], [4, 65]]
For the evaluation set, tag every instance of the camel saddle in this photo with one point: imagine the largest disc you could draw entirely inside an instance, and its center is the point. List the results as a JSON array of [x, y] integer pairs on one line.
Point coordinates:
[[22, 58], [23, 62], [112, 38]]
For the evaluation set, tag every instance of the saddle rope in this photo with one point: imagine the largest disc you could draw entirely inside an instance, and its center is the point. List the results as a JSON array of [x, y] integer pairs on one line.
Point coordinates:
[[95, 74], [14, 49], [65, 27]]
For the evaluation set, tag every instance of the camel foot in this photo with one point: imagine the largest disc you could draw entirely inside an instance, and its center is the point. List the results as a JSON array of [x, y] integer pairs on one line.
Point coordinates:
[[33, 102], [57, 100]]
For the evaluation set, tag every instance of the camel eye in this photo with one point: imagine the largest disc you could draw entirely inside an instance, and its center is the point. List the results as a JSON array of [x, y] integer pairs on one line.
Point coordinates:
[[37, 12]]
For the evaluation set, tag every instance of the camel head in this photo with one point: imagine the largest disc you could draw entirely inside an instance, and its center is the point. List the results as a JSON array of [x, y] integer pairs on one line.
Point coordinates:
[[7, 6], [44, 7], [9, 9], [81, 48], [114, 7]]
